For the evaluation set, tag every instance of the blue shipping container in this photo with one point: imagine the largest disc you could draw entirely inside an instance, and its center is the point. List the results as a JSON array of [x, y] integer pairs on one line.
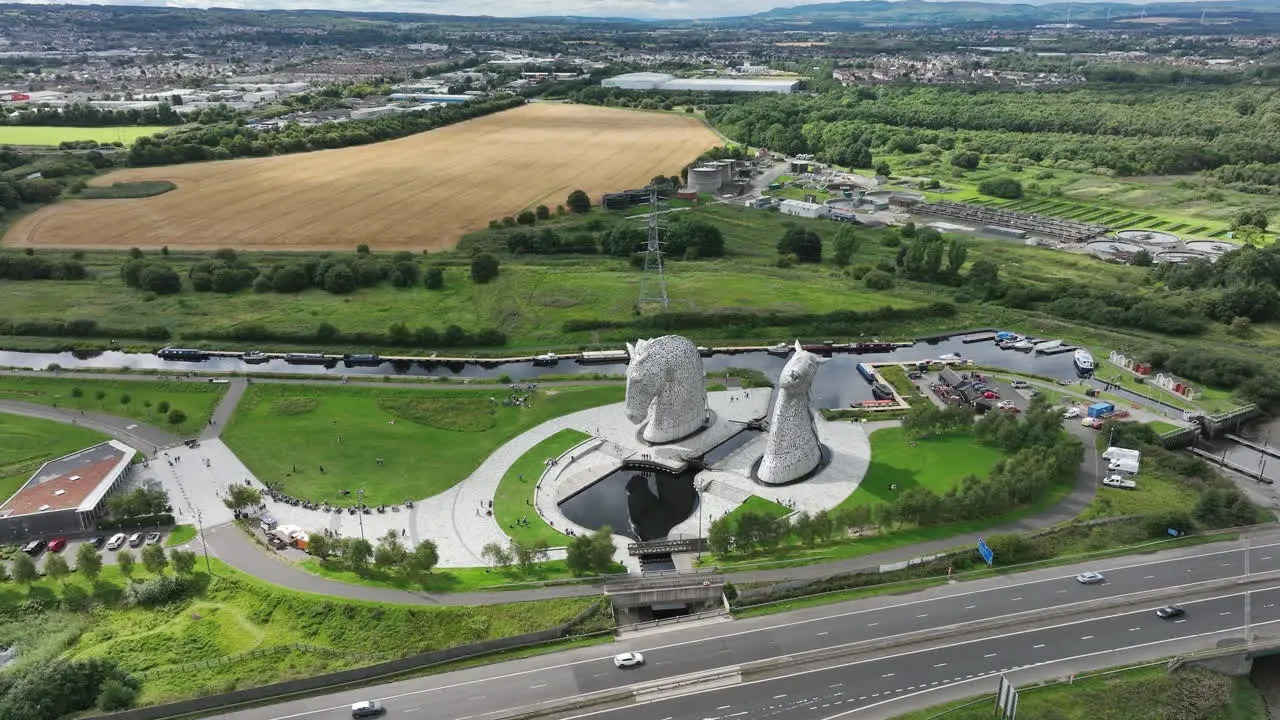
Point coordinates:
[[1100, 409]]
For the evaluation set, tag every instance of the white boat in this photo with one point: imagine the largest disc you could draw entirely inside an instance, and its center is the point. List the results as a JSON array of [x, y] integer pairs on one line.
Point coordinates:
[[780, 349], [546, 360], [949, 357], [1023, 345], [1048, 345], [1084, 361]]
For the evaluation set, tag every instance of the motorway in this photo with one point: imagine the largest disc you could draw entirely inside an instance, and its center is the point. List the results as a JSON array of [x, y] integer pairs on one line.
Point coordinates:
[[1051, 596]]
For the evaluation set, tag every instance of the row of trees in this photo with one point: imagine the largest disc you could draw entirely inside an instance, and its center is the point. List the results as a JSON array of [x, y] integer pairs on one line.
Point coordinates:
[[228, 140], [86, 115], [89, 564], [17, 266], [389, 555]]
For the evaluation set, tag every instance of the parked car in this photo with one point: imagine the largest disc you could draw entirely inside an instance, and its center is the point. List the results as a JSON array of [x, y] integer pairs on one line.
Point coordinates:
[[1119, 482], [33, 547], [1072, 412], [1090, 578], [1020, 384], [153, 538], [628, 659], [116, 541], [915, 375], [57, 544], [135, 540], [96, 541], [368, 708], [1169, 612], [991, 395]]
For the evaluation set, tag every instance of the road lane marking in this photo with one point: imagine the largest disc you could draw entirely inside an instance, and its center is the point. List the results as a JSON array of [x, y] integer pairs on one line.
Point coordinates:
[[1265, 558], [1061, 591], [989, 655], [1226, 565], [940, 665], [1016, 599], [1271, 605], [970, 607], [491, 679], [872, 624], [923, 616], [887, 675], [824, 633], [836, 685], [1134, 629], [744, 712], [540, 685], [724, 707], [1179, 621], [1224, 613], [779, 697], [1149, 577], [1087, 637]]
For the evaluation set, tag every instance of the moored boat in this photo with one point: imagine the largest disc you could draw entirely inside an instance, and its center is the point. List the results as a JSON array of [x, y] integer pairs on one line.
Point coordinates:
[[1083, 361]]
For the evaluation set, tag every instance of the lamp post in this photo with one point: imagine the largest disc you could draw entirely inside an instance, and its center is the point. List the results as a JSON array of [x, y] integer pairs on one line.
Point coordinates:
[[200, 528], [360, 510]]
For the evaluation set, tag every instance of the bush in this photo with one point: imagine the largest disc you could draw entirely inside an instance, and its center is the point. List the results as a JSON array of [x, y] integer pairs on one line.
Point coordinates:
[[484, 267], [578, 202], [878, 280], [434, 279], [1001, 187], [159, 590]]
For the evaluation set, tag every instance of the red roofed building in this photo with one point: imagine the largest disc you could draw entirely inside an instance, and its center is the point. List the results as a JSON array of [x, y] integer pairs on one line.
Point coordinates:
[[66, 495]]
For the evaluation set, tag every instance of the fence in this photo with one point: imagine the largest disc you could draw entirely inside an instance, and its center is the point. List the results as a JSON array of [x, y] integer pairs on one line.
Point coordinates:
[[330, 681]]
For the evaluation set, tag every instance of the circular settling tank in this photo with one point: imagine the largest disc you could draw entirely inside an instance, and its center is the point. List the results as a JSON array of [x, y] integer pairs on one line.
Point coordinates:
[[884, 195], [640, 503], [1212, 247], [1179, 256], [1113, 247], [1147, 237]]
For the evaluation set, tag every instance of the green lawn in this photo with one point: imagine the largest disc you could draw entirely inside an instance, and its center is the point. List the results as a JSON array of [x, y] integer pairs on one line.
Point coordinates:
[[53, 135], [180, 534], [514, 498], [1161, 427], [1151, 693], [197, 399], [235, 614], [447, 579], [26, 443], [1156, 493], [760, 506], [937, 463], [429, 439]]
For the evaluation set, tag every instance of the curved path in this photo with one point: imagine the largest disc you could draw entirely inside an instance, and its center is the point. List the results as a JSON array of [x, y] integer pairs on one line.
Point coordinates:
[[232, 546]]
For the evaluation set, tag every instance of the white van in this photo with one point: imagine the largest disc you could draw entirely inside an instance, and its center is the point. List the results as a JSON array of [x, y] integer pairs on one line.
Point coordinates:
[[1120, 482]]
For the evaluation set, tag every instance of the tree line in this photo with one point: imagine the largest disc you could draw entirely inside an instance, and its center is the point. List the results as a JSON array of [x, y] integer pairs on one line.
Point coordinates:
[[86, 115], [228, 140]]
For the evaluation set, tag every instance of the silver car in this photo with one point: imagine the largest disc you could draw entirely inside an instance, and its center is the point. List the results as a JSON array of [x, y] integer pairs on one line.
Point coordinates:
[[1090, 578]]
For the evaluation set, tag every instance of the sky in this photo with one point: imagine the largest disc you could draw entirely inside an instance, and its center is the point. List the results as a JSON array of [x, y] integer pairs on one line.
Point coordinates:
[[673, 9]]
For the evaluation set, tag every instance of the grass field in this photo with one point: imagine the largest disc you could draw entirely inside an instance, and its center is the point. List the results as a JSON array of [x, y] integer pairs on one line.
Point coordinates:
[[50, 135], [760, 506], [236, 614], [1151, 693], [937, 463], [515, 491], [429, 440], [180, 534], [419, 192], [26, 443], [196, 399]]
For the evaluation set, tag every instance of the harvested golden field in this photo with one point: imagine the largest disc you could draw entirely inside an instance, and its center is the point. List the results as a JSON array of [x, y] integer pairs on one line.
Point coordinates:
[[418, 192]]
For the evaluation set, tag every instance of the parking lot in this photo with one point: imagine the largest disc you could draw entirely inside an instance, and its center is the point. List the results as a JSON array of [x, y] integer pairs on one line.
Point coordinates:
[[73, 546]]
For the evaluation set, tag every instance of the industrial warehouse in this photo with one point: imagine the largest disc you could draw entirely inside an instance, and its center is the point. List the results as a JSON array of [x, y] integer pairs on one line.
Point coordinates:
[[663, 81], [66, 495]]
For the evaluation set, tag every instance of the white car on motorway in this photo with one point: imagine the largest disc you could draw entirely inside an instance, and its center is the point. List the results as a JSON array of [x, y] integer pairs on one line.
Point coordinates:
[[1090, 578], [628, 659]]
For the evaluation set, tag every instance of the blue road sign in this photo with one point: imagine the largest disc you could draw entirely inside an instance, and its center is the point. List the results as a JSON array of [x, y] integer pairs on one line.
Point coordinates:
[[1173, 532], [985, 551]]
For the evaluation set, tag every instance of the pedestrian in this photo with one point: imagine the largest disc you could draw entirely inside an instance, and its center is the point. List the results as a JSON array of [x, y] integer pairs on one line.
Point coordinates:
[[404, 533], [321, 468]]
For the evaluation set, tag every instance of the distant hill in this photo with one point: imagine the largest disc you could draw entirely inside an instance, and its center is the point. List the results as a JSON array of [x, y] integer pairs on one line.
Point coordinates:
[[921, 13]]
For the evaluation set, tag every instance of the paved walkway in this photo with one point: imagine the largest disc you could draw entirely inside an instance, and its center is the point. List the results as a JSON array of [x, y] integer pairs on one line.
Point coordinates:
[[201, 486]]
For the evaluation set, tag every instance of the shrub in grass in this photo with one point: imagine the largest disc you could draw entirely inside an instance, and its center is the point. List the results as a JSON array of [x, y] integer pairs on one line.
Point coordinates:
[[454, 413]]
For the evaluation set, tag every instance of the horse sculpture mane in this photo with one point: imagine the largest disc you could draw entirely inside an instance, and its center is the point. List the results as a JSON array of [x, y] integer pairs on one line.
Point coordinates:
[[792, 450], [666, 388]]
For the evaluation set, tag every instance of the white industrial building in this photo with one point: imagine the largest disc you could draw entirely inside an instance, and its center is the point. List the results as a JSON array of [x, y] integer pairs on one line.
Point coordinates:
[[663, 81], [799, 208]]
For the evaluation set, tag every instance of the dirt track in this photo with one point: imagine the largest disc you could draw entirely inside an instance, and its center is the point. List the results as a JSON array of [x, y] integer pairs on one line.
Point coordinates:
[[420, 192]]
